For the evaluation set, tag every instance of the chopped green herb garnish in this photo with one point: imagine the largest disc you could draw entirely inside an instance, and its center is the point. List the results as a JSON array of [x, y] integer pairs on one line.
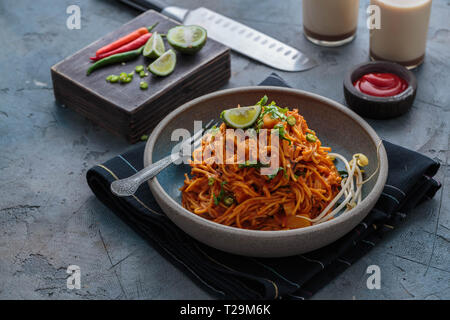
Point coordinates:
[[284, 172], [216, 200], [272, 109], [144, 137], [222, 190], [211, 181], [281, 132], [249, 164], [263, 100], [221, 193], [271, 176]]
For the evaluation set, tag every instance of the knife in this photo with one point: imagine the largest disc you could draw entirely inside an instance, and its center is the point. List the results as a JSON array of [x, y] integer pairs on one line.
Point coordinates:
[[234, 35]]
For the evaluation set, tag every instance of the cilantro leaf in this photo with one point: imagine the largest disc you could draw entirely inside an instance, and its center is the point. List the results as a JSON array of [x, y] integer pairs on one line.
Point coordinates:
[[249, 164], [281, 132], [263, 101], [271, 176]]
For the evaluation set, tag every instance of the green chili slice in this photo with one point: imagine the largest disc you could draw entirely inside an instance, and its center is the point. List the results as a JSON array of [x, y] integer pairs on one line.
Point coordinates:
[[310, 137], [143, 85], [291, 120], [228, 201]]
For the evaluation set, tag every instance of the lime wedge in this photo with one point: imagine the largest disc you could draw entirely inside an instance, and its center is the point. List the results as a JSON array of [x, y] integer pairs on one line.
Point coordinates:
[[187, 39], [241, 118], [164, 65], [154, 48]]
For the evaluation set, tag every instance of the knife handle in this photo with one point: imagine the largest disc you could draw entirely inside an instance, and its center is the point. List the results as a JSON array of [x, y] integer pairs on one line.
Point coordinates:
[[146, 4]]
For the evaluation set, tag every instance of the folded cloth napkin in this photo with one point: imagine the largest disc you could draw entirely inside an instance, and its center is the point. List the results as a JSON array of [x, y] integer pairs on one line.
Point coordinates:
[[235, 277]]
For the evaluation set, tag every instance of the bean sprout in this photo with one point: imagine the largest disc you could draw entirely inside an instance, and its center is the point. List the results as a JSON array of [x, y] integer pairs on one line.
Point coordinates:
[[351, 186]]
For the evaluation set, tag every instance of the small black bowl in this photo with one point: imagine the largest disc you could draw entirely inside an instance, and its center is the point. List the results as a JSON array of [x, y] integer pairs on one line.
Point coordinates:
[[379, 107]]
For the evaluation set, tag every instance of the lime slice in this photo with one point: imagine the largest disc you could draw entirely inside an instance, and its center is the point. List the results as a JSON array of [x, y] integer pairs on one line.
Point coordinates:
[[164, 65], [187, 39], [154, 48], [241, 118]]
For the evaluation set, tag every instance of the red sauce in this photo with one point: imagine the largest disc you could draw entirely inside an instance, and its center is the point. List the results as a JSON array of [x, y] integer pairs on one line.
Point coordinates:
[[381, 84]]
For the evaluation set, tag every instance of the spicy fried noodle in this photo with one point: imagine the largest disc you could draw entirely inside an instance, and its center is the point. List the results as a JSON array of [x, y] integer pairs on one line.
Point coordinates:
[[302, 192]]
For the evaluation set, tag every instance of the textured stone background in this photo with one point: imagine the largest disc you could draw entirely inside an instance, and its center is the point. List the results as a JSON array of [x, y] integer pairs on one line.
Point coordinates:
[[49, 218]]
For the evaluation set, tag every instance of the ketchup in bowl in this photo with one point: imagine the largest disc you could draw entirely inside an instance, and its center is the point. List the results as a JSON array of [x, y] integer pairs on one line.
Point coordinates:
[[381, 84]]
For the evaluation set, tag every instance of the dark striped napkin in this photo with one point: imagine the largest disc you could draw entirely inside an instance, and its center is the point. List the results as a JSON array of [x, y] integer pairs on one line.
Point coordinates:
[[235, 277]]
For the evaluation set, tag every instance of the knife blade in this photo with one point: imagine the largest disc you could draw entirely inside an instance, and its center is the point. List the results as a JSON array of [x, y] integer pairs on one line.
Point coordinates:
[[235, 35]]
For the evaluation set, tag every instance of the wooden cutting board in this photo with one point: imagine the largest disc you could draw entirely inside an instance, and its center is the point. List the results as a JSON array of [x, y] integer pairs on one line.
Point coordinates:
[[125, 109]]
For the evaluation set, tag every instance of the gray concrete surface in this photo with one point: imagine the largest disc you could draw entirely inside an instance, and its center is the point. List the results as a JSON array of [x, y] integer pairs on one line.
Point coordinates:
[[49, 219]]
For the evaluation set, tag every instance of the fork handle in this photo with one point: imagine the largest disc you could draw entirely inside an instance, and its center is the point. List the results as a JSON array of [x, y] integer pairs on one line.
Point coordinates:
[[128, 186]]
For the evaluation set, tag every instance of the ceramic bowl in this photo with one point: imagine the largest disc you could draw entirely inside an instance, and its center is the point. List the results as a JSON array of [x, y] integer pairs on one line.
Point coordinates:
[[379, 107], [335, 125]]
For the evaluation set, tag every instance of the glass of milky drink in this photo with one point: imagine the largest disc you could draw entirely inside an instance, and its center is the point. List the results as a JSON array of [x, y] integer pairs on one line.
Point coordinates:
[[403, 31], [330, 22]]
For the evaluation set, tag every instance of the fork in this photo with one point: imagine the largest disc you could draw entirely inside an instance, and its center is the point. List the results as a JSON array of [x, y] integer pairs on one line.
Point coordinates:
[[128, 186]]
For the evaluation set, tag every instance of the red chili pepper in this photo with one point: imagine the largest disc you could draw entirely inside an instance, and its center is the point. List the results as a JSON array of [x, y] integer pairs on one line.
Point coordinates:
[[133, 45], [124, 40]]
